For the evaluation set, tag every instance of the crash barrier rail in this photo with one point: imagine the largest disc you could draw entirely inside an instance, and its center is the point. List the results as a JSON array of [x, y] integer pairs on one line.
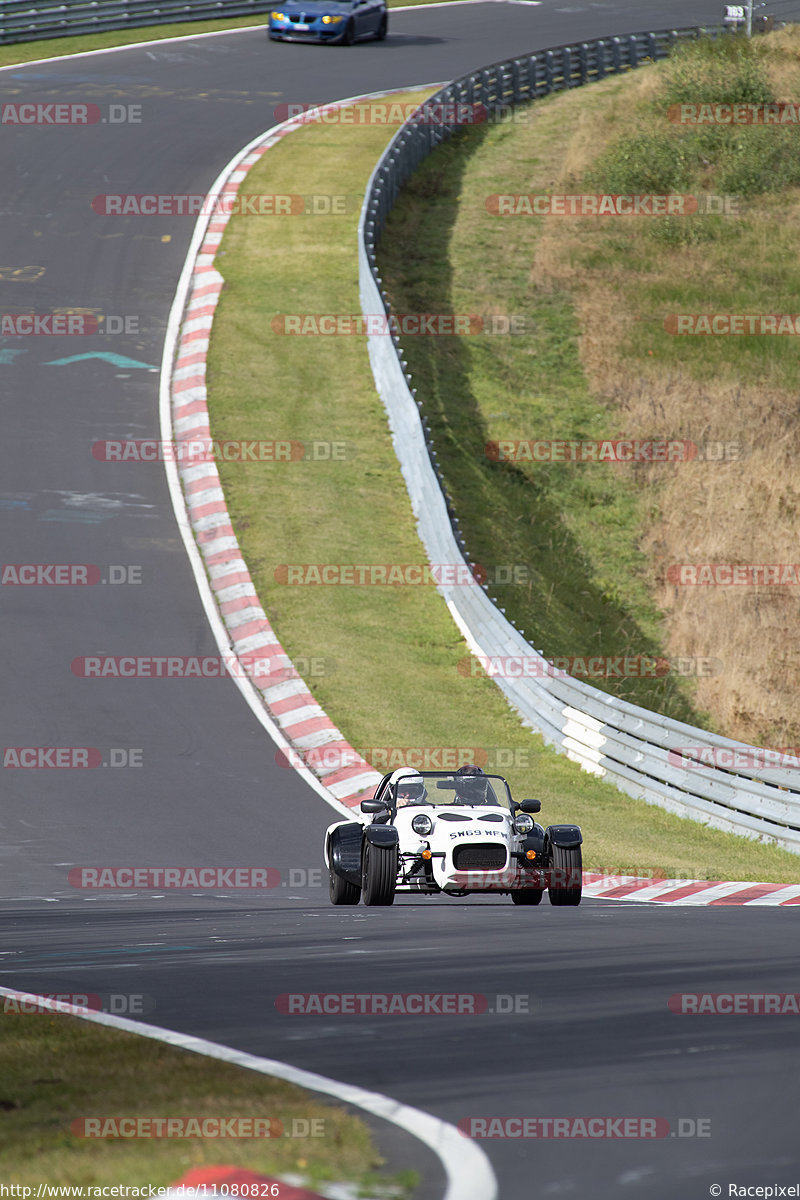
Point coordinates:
[[630, 746], [27, 20]]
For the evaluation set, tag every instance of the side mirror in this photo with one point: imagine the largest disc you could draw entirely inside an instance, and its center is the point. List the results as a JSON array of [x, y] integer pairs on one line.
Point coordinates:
[[531, 806], [373, 806]]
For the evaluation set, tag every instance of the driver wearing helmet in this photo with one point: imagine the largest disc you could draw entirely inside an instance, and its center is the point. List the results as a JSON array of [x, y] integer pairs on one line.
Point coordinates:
[[472, 786], [408, 787], [411, 791]]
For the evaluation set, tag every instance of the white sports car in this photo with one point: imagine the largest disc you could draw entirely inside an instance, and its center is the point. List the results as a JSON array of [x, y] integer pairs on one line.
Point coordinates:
[[458, 833]]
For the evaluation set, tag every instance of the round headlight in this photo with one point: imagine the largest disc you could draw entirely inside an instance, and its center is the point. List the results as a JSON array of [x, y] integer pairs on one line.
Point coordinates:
[[422, 824], [523, 823]]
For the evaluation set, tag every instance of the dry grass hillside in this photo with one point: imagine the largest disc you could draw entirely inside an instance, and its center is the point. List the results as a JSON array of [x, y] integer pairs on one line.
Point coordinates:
[[740, 392]]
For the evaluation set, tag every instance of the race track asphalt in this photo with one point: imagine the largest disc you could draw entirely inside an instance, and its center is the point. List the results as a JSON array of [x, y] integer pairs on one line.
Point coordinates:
[[595, 1036]]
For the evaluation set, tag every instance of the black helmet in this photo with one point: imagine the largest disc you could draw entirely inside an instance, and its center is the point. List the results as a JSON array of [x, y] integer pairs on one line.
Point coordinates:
[[472, 786]]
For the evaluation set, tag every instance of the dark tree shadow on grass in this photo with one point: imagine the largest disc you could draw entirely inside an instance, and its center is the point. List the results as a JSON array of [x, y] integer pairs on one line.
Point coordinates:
[[508, 516]]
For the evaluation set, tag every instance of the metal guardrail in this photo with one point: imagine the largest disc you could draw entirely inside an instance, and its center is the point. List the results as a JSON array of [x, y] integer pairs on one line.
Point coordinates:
[[630, 746], [27, 20]]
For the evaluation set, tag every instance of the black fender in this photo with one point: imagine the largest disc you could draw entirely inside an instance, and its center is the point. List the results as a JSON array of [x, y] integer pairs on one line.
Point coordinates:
[[563, 835], [533, 841], [344, 851], [382, 835]]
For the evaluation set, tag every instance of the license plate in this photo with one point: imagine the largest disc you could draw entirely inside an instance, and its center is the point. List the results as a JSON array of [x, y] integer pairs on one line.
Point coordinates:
[[300, 25]]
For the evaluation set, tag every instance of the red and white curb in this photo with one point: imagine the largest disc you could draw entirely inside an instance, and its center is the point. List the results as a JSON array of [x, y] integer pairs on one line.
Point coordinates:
[[303, 724], [689, 892], [290, 703], [201, 1182]]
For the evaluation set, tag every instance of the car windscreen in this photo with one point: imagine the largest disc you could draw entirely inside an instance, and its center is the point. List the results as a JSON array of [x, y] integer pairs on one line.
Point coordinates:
[[449, 789]]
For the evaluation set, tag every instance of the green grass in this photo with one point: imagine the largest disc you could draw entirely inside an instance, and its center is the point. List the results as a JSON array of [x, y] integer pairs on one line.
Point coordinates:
[[55, 1070], [572, 528], [397, 651], [580, 530], [23, 52]]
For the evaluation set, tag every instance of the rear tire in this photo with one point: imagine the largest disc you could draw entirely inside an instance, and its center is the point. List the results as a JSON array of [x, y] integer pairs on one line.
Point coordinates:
[[567, 868], [378, 874], [380, 36], [341, 891], [528, 896]]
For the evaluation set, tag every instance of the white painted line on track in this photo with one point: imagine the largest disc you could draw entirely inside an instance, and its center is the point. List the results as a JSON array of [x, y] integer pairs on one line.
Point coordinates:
[[468, 1170], [196, 37]]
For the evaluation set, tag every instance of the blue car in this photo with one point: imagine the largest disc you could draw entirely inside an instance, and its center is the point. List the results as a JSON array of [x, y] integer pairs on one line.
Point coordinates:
[[341, 21]]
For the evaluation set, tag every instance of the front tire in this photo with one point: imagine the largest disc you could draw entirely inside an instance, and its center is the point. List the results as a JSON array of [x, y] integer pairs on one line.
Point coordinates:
[[567, 867], [341, 891], [349, 35], [378, 874], [528, 896], [380, 36]]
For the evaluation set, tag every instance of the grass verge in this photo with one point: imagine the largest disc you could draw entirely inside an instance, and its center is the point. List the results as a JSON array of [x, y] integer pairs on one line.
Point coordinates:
[[603, 543], [389, 674], [57, 1070], [569, 530]]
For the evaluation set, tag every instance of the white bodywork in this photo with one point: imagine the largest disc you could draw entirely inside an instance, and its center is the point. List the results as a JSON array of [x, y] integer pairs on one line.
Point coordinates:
[[460, 832]]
